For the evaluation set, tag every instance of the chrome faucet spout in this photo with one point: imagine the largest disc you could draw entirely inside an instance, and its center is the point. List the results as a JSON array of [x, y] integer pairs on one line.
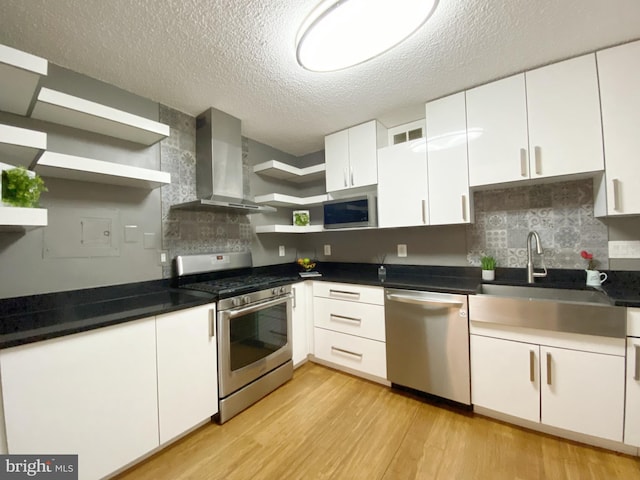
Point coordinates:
[[531, 273]]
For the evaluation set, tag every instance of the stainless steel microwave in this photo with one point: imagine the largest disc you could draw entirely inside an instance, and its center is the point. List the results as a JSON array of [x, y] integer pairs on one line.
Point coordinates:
[[351, 212]]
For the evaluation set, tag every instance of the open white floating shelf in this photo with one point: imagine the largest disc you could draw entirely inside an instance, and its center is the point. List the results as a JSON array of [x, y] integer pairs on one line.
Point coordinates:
[[289, 229], [20, 146], [281, 200], [283, 171], [59, 165], [20, 73], [19, 219], [65, 109]]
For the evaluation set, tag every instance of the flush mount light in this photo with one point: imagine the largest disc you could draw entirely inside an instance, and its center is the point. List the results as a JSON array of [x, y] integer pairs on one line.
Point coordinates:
[[340, 34]]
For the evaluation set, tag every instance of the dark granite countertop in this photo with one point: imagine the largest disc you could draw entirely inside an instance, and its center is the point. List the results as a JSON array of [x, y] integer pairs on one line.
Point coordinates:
[[39, 317]]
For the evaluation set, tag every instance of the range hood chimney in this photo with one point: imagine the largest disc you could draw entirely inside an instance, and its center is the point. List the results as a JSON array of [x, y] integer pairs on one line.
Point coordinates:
[[219, 166]]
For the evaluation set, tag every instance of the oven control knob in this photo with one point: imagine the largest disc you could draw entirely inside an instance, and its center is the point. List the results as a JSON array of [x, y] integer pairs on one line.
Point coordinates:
[[246, 299], [282, 290], [274, 291], [235, 302]]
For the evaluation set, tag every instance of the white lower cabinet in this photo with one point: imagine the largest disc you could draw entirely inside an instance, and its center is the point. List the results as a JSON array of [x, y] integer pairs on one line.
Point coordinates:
[[301, 322], [357, 353], [349, 328], [583, 392], [566, 388], [632, 405], [505, 376], [93, 394], [187, 374]]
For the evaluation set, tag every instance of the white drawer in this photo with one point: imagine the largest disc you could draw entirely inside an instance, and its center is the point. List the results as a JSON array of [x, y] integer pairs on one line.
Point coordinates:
[[349, 292], [633, 322], [361, 319], [361, 354]]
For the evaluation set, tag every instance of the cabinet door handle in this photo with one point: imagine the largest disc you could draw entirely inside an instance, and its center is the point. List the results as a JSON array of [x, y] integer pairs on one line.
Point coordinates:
[[346, 352], [338, 318], [343, 294], [464, 208], [523, 162], [532, 366], [537, 154], [352, 182], [636, 376], [548, 369], [424, 212], [212, 323], [344, 172], [616, 194]]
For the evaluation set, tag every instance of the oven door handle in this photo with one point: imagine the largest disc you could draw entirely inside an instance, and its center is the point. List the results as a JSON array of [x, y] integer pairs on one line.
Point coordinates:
[[258, 306]]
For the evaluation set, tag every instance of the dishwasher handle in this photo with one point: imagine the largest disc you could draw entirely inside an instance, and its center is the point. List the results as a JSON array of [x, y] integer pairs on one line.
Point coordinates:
[[424, 301]]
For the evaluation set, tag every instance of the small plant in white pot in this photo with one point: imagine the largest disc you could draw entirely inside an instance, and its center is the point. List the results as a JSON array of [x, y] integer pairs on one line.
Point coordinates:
[[488, 264]]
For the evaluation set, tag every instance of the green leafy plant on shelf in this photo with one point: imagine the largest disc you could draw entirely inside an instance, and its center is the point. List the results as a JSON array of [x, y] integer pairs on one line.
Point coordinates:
[[21, 189], [488, 263]]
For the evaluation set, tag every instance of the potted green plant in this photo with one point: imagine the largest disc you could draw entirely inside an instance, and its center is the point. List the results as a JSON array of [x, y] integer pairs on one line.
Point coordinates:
[[21, 188], [488, 264]]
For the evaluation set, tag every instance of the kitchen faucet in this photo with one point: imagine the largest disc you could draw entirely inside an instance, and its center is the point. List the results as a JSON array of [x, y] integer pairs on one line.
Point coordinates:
[[531, 274]]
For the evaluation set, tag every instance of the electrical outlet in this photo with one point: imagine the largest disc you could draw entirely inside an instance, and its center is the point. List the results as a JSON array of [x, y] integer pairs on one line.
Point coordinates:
[[164, 257], [281, 250], [402, 250], [327, 250]]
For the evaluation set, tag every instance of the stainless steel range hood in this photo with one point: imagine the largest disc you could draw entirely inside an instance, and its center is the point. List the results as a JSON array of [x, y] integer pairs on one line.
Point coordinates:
[[219, 166]]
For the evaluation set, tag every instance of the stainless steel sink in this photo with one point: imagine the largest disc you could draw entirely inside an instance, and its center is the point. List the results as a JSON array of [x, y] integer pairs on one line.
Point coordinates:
[[538, 293], [588, 312]]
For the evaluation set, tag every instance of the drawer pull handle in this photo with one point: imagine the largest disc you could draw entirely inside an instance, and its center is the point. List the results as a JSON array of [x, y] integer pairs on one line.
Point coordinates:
[[532, 368], [346, 352], [616, 194], [636, 376], [464, 208], [537, 154], [523, 162], [548, 369], [338, 318], [343, 293]]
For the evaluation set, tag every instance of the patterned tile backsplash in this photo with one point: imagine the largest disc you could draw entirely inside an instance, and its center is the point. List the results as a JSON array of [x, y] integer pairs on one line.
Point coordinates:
[[561, 213], [188, 232]]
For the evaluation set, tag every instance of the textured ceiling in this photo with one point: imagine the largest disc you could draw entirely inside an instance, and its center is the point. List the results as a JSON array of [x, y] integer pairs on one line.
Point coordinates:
[[238, 55]]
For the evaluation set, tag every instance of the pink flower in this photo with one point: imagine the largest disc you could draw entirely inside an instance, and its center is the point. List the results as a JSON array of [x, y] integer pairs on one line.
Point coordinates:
[[588, 256]]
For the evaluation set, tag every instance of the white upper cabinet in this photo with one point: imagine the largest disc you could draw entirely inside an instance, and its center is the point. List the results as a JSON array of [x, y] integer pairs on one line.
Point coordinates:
[[448, 175], [565, 131], [20, 73], [402, 185], [619, 72], [497, 130], [543, 123], [351, 156]]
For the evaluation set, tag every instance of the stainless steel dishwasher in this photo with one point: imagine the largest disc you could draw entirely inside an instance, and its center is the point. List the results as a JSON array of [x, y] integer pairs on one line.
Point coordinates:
[[428, 342]]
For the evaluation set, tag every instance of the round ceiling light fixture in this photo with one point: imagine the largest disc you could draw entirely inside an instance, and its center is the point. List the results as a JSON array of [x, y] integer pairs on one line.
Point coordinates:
[[340, 34]]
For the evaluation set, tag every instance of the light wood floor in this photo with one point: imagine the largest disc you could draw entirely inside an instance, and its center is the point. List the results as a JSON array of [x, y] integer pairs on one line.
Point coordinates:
[[326, 424]]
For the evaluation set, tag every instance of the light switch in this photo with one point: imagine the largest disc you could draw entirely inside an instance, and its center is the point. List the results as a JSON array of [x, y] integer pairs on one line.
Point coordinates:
[[402, 250], [327, 250], [281, 250]]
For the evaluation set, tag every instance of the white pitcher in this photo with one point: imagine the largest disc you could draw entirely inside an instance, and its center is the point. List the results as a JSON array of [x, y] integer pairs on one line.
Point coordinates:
[[595, 278]]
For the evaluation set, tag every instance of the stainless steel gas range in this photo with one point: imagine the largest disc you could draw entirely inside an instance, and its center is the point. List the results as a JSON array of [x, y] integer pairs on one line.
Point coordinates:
[[253, 325]]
